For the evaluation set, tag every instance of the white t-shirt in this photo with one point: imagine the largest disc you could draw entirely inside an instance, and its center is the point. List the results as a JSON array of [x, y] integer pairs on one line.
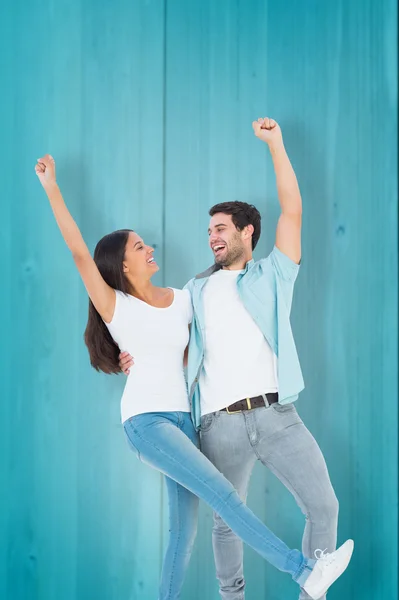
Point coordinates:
[[238, 361], [156, 338]]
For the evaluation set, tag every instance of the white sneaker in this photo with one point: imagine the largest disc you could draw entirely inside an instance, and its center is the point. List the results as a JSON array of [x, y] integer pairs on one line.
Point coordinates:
[[327, 569]]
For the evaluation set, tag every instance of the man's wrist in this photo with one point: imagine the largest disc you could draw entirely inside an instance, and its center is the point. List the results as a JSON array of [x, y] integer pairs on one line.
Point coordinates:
[[50, 186], [276, 146]]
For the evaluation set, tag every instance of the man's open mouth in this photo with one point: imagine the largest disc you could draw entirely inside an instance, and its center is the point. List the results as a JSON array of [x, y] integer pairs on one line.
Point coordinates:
[[218, 248]]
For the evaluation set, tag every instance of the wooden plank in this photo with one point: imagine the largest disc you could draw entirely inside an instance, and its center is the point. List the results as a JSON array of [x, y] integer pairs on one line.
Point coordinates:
[[88, 84], [123, 85]]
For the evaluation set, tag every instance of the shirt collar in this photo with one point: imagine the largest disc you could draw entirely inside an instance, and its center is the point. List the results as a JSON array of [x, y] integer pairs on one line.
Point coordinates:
[[214, 268]]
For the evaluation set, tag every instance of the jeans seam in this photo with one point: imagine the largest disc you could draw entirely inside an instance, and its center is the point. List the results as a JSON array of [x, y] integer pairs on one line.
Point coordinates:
[[176, 546], [207, 485], [301, 570], [283, 478], [133, 445]]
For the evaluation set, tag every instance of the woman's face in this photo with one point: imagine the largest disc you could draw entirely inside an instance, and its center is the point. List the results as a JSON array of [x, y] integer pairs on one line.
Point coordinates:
[[138, 261]]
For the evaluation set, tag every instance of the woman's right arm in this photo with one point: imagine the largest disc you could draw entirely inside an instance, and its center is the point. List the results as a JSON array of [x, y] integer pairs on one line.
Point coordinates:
[[101, 294]]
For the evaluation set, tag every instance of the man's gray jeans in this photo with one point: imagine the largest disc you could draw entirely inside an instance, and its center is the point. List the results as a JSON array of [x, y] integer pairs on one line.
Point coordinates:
[[278, 438]]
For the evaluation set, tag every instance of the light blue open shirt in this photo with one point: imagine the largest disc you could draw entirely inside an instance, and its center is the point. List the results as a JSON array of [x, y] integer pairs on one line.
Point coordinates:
[[265, 288]]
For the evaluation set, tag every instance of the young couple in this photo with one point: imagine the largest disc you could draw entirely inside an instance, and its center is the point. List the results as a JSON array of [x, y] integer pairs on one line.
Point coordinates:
[[243, 378]]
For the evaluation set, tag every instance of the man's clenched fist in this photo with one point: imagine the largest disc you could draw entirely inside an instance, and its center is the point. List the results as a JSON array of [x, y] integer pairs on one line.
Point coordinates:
[[268, 131]]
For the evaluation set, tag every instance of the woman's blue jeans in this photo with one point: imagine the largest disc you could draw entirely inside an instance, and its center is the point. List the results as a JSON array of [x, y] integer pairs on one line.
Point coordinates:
[[169, 443]]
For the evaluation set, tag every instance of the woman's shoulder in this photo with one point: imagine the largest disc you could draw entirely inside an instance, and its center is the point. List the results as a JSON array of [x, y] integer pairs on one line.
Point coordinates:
[[183, 295], [183, 301]]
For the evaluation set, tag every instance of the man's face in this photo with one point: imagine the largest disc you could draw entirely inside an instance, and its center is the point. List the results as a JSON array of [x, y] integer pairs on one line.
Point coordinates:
[[225, 241]]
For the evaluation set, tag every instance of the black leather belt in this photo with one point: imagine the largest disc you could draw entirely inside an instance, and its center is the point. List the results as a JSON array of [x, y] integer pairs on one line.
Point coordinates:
[[250, 403]]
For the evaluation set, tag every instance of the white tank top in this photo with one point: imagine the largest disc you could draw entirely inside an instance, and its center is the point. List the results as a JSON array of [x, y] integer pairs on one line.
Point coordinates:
[[156, 338]]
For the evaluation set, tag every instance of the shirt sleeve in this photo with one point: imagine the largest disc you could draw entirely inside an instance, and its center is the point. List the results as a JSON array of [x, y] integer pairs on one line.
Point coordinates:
[[189, 285], [189, 305], [284, 267]]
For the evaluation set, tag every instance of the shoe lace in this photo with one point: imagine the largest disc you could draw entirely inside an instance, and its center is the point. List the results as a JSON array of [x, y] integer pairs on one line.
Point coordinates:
[[324, 557]]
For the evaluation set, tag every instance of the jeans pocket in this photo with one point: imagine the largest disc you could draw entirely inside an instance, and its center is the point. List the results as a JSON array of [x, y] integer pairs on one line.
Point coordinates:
[[207, 422], [283, 408], [286, 414]]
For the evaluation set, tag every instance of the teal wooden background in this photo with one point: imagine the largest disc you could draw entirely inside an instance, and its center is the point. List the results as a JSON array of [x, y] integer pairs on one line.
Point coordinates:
[[147, 108]]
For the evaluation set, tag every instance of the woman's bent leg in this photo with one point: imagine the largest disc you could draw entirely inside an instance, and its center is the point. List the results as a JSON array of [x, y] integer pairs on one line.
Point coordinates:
[[163, 445]]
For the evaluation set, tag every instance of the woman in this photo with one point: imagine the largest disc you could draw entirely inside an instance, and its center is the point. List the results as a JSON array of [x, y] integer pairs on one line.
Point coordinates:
[[127, 312]]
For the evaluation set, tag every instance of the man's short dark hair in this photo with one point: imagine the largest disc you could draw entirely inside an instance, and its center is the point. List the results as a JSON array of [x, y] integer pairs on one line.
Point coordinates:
[[242, 214]]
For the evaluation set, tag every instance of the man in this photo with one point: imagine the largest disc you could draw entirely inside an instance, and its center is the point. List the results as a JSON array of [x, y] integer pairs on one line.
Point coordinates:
[[243, 370]]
